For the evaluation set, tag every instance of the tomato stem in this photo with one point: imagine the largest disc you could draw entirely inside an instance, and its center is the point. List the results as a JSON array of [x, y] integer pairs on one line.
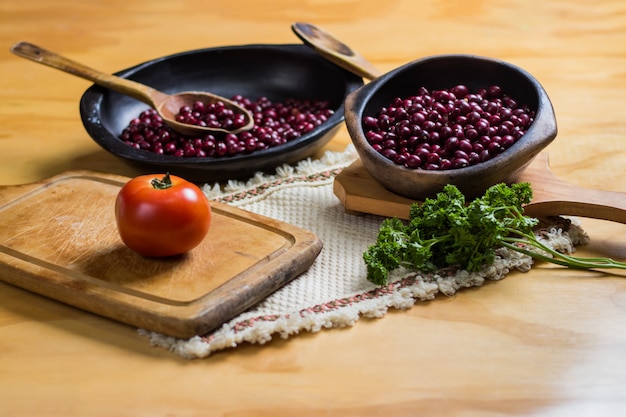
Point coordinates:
[[163, 183]]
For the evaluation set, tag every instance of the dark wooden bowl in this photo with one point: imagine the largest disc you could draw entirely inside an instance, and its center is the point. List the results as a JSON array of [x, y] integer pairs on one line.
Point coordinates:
[[446, 71], [274, 71]]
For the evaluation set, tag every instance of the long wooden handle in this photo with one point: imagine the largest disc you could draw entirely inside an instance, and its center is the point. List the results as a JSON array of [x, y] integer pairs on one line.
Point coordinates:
[[576, 201], [553, 196], [122, 85]]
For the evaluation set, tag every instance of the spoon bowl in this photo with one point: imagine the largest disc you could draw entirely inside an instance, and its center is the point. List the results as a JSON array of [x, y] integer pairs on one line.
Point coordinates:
[[166, 105]]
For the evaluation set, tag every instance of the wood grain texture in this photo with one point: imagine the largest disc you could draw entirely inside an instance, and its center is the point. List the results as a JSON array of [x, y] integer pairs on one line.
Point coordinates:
[[547, 343]]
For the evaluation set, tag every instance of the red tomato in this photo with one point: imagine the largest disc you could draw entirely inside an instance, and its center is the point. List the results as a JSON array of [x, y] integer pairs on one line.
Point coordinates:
[[164, 216]]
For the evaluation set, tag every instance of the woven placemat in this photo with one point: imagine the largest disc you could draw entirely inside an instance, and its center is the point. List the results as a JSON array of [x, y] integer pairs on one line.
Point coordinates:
[[334, 292]]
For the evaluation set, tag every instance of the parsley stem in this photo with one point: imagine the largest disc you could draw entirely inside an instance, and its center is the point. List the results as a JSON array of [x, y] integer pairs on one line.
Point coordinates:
[[558, 257]]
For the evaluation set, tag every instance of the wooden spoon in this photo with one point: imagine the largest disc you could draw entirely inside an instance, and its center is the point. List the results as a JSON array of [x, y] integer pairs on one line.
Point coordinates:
[[166, 105], [334, 50]]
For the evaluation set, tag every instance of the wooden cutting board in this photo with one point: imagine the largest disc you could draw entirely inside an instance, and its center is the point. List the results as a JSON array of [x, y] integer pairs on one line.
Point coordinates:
[[360, 193], [59, 239]]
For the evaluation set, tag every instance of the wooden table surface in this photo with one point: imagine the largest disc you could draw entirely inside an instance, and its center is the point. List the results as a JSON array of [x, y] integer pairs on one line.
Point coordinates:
[[551, 342]]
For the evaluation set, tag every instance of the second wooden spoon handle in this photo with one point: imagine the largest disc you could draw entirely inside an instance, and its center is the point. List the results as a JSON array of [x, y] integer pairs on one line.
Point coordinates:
[[334, 50], [42, 56]]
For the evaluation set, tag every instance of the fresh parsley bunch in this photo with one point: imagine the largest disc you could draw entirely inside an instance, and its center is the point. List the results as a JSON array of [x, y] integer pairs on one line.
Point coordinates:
[[447, 231]]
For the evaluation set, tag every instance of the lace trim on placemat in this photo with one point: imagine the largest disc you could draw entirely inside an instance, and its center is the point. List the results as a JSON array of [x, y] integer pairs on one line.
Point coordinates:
[[307, 172]]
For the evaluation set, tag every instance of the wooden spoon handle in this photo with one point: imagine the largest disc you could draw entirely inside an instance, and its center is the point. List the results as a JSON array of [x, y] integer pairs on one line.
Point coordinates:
[[127, 87], [553, 196], [334, 50]]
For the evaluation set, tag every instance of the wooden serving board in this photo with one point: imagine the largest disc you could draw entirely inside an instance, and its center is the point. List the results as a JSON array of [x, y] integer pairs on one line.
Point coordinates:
[[360, 193], [58, 238]]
